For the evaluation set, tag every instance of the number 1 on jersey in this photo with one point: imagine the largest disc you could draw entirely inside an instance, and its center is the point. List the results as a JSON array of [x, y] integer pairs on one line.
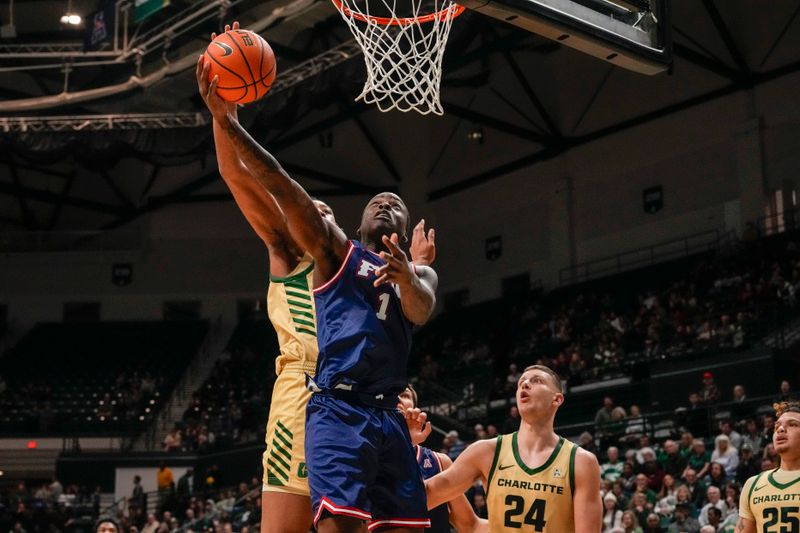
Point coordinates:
[[384, 298]]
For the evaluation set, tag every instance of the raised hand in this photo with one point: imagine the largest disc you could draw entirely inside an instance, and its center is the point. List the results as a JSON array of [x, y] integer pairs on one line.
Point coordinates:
[[423, 247], [418, 426], [397, 268]]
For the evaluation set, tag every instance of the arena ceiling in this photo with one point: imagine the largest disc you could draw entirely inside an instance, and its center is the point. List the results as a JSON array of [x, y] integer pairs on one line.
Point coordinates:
[[536, 97]]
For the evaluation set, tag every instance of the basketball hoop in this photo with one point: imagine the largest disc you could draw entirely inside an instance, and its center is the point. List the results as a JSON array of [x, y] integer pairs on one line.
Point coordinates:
[[403, 55]]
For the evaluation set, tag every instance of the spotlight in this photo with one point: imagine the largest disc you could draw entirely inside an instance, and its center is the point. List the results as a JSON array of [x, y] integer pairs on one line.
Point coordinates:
[[71, 19], [476, 135]]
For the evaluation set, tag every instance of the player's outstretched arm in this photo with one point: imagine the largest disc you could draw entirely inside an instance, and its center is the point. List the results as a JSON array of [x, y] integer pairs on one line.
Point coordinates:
[[326, 242], [473, 463], [587, 504], [462, 517], [417, 284]]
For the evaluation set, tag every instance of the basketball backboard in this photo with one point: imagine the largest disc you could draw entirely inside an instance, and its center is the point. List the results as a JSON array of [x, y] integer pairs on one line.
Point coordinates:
[[632, 34]]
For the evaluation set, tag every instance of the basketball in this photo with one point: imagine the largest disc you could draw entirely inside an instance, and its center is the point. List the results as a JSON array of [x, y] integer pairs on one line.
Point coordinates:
[[245, 64]]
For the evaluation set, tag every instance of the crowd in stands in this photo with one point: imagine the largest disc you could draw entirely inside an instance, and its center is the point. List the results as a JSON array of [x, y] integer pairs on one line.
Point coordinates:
[[46, 507], [718, 302]]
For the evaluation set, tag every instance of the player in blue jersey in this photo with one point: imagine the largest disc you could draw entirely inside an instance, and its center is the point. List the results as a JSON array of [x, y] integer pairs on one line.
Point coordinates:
[[457, 512], [361, 465]]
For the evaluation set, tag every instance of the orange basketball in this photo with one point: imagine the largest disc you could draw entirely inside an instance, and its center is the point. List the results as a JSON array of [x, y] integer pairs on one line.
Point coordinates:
[[244, 63]]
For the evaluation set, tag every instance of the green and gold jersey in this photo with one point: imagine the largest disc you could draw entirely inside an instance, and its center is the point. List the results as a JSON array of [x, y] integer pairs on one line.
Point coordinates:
[[531, 499], [772, 500], [290, 305]]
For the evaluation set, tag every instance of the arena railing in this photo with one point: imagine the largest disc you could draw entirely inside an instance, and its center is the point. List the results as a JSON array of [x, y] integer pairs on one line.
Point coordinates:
[[645, 255], [669, 424], [777, 223]]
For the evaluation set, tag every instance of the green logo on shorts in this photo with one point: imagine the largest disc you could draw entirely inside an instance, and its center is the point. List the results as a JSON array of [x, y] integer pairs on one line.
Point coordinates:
[[302, 471]]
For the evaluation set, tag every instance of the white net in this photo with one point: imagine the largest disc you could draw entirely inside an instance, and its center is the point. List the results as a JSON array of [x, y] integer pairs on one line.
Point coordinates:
[[403, 54]]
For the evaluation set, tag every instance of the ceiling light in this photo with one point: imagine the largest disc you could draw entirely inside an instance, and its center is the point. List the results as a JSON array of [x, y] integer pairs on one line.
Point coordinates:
[[71, 19]]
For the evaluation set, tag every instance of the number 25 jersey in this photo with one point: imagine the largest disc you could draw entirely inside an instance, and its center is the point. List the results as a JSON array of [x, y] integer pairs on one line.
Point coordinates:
[[364, 338], [772, 500], [531, 499]]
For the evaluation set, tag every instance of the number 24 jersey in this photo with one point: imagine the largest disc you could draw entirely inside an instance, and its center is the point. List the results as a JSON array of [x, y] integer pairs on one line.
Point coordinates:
[[531, 499]]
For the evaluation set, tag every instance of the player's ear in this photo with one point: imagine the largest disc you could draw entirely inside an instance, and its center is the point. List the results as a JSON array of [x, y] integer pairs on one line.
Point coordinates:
[[358, 233], [558, 399], [405, 238]]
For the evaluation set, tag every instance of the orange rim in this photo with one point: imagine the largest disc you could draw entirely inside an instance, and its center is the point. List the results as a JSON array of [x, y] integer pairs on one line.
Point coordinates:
[[447, 13]]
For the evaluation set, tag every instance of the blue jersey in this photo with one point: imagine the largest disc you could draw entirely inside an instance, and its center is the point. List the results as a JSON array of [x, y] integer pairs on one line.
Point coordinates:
[[430, 465], [364, 338]]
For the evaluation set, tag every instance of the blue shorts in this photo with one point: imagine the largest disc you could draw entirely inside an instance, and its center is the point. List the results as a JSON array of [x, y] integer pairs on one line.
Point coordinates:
[[361, 464]]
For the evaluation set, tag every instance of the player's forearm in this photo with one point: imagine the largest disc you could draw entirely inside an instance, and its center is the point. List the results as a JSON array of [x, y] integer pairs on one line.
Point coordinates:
[[418, 301], [462, 517], [261, 164], [443, 488]]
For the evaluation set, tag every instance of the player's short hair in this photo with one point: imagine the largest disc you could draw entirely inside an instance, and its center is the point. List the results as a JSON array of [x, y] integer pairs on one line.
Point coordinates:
[[549, 372], [791, 406], [414, 396]]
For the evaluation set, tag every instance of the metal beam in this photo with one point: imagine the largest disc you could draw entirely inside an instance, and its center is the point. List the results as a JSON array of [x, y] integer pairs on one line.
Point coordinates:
[[569, 143], [377, 148], [595, 94], [352, 187], [706, 63], [54, 216], [532, 96], [500, 125], [155, 202], [53, 198], [27, 214], [727, 38], [780, 36]]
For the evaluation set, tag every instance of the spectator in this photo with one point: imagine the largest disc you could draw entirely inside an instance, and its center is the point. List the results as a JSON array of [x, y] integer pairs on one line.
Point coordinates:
[[173, 441], [752, 436], [106, 525], [152, 524], [586, 441], [714, 500], [643, 487], [696, 487], [612, 469], [726, 455], [617, 489], [672, 461], [714, 519], [682, 521], [710, 393], [749, 465], [785, 392], [686, 444], [479, 504], [491, 431], [635, 426], [653, 524], [612, 516], [480, 432], [164, 481], [603, 415], [512, 422], [732, 501], [430, 369], [716, 476], [699, 460], [768, 423], [767, 464], [457, 445], [629, 523], [640, 507], [726, 427], [138, 497], [628, 477], [512, 379], [738, 394]]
